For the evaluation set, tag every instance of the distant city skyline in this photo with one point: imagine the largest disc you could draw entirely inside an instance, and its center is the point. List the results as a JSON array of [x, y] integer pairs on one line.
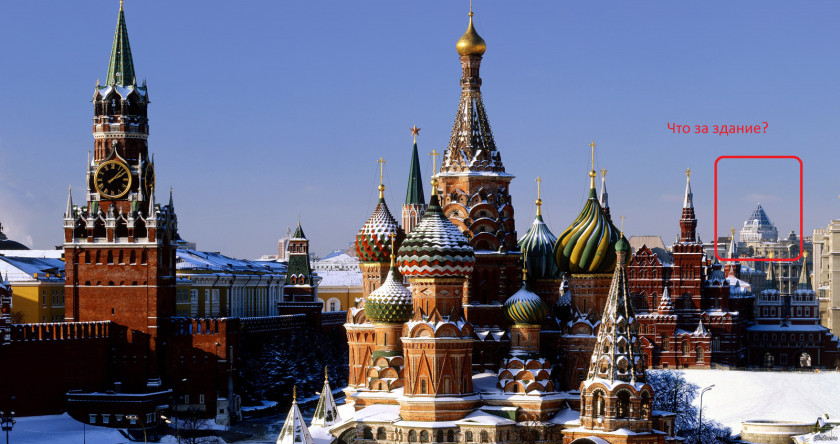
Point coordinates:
[[265, 113]]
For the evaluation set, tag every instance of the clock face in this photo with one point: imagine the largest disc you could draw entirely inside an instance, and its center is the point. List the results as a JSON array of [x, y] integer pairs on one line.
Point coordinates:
[[112, 179], [149, 179]]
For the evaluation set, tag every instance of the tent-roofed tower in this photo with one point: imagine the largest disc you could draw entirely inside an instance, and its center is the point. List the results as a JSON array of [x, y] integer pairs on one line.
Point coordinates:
[[475, 188], [299, 277], [119, 224], [615, 394], [294, 429], [326, 412], [415, 200]]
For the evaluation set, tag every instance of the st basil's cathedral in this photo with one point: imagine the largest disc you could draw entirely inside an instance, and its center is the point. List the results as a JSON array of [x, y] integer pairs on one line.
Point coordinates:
[[467, 334]]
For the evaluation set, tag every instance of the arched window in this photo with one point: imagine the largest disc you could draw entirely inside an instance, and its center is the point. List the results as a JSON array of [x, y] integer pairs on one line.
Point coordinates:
[[645, 405], [110, 258], [698, 354], [768, 360], [468, 436], [623, 410], [380, 433], [368, 433], [597, 404], [412, 436], [686, 348], [424, 436], [665, 343], [484, 436], [450, 436], [440, 435]]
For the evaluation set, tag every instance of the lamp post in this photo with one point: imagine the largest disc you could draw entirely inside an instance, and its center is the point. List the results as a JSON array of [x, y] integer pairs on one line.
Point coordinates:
[[7, 420], [700, 423], [142, 424]]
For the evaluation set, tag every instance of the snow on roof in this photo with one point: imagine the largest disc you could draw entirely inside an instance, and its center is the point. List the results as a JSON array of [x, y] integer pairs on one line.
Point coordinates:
[[340, 278], [567, 416], [339, 257], [21, 269], [188, 259], [54, 254], [480, 417]]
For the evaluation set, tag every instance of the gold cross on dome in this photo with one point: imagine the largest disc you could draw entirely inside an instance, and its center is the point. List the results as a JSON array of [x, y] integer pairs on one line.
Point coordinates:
[[622, 223], [381, 163], [688, 172], [732, 232], [592, 151], [603, 172], [539, 181]]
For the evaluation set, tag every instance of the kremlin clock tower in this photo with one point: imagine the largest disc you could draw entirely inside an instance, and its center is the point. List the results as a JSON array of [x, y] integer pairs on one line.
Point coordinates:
[[120, 245]]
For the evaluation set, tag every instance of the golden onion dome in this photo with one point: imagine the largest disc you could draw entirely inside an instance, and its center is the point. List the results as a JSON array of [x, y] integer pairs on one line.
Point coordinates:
[[471, 43]]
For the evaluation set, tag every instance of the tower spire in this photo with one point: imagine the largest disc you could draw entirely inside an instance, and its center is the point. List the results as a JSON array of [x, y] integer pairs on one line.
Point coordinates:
[[688, 201], [414, 193], [68, 213], [121, 65], [326, 412], [804, 276], [604, 199], [688, 222], [539, 201], [294, 429]]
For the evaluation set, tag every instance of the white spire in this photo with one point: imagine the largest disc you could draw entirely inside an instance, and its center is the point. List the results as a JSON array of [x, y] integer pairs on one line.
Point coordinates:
[[604, 199], [151, 204], [294, 430], [701, 329], [326, 413], [688, 202], [68, 213]]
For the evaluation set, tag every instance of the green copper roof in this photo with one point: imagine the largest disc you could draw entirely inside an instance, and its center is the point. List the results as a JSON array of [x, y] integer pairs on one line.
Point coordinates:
[[414, 193], [121, 66], [299, 233]]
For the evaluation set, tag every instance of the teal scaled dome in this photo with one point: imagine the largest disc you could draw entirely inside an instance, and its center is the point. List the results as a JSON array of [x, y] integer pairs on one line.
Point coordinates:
[[622, 245], [526, 308], [537, 246], [391, 302]]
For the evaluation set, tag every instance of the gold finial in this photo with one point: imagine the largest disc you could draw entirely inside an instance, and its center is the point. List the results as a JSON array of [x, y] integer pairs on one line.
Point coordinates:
[[294, 394], [539, 200], [603, 172], [622, 226], [381, 162], [434, 155], [326, 373], [805, 254], [415, 132], [393, 237], [471, 44], [688, 172], [592, 171], [732, 232], [770, 255], [121, 4], [525, 267]]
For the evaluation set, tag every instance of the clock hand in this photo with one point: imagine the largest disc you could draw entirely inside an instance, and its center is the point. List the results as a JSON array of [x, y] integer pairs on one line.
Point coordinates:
[[122, 173]]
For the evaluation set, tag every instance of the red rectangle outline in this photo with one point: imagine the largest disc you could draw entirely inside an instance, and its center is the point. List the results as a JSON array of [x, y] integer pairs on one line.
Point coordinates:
[[801, 225]]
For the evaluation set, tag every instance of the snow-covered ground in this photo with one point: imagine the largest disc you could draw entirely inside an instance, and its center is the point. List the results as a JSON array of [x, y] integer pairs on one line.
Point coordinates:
[[742, 395], [63, 428]]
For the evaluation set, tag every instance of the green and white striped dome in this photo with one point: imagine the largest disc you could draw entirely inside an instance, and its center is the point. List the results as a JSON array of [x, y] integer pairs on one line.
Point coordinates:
[[537, 246], [526, 308]]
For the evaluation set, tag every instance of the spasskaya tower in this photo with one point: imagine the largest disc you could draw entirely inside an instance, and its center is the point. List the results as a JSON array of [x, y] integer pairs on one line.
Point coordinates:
[[120, 244]]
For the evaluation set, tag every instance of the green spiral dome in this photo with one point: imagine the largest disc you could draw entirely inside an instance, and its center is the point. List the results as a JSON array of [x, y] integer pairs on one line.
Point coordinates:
[[588, 245], [526, 308]]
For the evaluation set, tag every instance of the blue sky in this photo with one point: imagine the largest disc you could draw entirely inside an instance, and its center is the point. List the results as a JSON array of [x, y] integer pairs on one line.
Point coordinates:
[[266, 111]]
